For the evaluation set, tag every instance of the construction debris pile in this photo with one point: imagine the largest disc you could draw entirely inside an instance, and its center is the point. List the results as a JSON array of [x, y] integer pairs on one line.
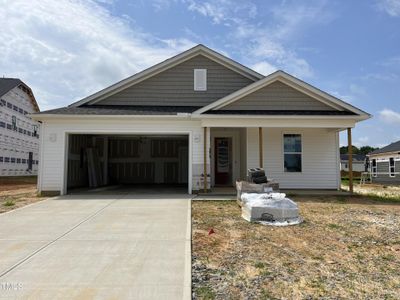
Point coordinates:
[[261, 201]]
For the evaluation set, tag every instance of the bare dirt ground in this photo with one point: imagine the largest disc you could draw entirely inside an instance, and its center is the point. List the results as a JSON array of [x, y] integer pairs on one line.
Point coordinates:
[[16, 192], [347, 248]]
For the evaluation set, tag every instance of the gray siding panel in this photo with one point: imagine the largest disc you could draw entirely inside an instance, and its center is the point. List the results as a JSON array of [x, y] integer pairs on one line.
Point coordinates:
[[277, 96], [175, 86], [383, 167]]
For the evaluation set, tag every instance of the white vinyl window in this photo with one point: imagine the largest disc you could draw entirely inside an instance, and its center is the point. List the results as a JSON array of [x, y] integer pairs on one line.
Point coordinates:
[[373, 168], [200, 79], [391, 167], [292, 152]]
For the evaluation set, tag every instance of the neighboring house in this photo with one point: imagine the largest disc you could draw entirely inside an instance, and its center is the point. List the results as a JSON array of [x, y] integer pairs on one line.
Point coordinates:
[[384, 164], [194, 114], [358, 162], [19, 134]]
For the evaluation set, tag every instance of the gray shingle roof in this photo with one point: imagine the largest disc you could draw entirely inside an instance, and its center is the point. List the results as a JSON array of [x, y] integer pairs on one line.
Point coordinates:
[[121, 110], [393, 147], [173, 110], [356, 157], [7, 84]]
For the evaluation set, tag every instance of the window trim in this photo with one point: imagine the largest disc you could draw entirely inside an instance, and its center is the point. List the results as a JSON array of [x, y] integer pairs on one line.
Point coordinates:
[[392, 174], [283, 152], [195, 87]]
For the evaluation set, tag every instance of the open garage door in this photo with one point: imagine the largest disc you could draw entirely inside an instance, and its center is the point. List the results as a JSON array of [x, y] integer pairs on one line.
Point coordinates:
[[127, 161]]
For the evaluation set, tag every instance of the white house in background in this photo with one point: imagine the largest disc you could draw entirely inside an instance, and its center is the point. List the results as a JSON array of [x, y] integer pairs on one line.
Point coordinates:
[[19, 134], [196, 116], [358, 162]]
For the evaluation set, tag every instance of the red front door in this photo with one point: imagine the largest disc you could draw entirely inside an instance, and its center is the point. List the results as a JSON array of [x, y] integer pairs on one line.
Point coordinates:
[[223, 161]]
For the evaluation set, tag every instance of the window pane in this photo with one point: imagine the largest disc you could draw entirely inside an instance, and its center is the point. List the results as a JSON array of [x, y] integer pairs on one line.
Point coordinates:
[[292, 142], [292, 162]]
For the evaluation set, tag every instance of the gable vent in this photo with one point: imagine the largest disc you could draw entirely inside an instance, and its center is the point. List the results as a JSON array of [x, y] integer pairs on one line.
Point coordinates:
[[200, 79]]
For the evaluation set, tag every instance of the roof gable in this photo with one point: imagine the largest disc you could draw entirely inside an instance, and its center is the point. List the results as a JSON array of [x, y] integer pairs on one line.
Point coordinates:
[[167, 64], [7, 84], [175, 86], [295, 83], [278, 96]]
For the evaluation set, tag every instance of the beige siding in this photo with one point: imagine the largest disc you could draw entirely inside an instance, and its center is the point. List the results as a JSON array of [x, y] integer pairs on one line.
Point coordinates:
[[277, 96], [320, 157], [175, 86]]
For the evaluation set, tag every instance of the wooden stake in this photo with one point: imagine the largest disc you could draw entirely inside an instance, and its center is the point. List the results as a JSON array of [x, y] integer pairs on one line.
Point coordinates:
[[350, 152], [260, 146], [205, 159]]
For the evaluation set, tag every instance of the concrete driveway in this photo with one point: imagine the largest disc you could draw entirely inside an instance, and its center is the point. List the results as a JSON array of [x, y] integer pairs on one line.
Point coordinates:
[[118, 246]]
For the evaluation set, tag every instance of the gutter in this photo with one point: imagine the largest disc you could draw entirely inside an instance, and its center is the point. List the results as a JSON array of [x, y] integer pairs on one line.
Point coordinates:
[[190, 116]]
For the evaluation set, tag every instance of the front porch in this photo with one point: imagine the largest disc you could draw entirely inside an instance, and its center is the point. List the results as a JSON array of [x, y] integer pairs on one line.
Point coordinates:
[[303, 160]]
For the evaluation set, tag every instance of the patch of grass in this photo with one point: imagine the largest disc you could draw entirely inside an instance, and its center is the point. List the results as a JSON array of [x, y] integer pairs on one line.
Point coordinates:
[[383, 198], [334, 226], [9, 202], [266, 295], [259, 265], [266, 273], [360, 256], [388, 257], [205, 293]]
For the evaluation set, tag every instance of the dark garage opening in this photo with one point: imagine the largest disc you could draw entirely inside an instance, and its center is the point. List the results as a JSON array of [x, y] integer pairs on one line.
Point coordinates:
[[127, 162]]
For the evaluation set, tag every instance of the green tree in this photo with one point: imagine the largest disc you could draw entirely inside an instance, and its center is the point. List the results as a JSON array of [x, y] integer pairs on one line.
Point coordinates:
[[363, 150], [367, 149], [343, 150]]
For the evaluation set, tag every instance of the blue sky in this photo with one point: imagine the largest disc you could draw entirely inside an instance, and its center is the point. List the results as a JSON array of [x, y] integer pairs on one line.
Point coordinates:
[[66, 50]]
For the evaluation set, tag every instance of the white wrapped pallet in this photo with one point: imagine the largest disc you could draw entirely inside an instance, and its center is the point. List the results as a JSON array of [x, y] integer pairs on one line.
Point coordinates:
[[270, 208]]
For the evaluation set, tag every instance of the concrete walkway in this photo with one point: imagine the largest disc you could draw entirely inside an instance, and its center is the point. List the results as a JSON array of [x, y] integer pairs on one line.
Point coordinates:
[[118, 246]]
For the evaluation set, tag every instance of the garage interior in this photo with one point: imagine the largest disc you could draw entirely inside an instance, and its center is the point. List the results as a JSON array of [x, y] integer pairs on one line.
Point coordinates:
[[127, 161]]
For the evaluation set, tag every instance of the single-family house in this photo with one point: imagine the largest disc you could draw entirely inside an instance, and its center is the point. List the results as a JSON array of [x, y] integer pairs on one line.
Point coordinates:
[[384, 164], [19, 134], [199, 120], [358, 163]]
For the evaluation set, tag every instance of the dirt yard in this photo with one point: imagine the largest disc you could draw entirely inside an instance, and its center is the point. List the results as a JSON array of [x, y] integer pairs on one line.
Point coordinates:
[[347, 248], [17, 192]]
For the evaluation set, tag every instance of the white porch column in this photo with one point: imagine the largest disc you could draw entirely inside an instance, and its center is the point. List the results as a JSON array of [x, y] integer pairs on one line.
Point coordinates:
[[350, 152], [260, 147], [205, 160]]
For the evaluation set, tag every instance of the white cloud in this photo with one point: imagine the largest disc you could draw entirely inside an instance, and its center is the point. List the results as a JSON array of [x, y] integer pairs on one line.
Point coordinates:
[[381, 76], [66, 50], [292, 17], [264, 68], [389, 116], [162, 4], [345, 97], [266, 41], [391, 7], [227, 12], [361, 141]]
